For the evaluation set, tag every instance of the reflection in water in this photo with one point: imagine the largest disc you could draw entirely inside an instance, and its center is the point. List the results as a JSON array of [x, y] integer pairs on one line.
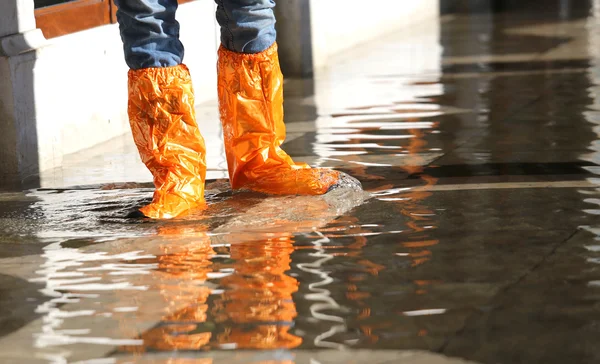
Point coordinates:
[[182, 270], [418, 244], [420, 217], [71, 277], [256, 309], [186, 287], [251, 308], [323, 286], [353, 128], [357, 291], [320, 296], [593, 117], [373, 139]]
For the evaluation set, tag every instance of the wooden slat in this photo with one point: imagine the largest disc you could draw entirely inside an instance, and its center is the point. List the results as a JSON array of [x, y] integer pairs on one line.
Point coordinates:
[[113, 12], [72, 17]]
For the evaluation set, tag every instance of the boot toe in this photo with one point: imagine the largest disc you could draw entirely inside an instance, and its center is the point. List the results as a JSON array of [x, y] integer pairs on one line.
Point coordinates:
[[347, 182]]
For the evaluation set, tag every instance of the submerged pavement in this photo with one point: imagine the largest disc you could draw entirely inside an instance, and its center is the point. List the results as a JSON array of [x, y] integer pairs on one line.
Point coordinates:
[[477, 140]]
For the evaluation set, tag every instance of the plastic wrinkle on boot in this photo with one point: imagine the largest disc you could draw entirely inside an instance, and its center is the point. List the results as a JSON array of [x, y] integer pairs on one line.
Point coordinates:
[[251, 106], [163, 123]]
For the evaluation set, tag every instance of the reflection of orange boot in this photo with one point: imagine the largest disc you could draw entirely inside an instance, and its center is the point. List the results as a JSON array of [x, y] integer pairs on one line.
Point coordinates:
[[251, 107], [257, 305], [163, 123], [182, 266]]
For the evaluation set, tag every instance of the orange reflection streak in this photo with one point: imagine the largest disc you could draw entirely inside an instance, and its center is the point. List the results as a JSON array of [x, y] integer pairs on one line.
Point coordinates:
[[411, 208], [419, 215], [256, 309], [353, 292], [257, 306], [420, 221], [181, 271], [361, 173], [354, 229], [422, 285]]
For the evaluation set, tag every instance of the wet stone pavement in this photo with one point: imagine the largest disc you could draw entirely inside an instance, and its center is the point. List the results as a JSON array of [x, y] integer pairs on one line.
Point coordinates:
[[477, 139]]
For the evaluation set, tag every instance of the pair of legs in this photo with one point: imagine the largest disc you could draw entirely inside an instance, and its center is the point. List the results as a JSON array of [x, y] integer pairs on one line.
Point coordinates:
[[250, 88], [150, 32]]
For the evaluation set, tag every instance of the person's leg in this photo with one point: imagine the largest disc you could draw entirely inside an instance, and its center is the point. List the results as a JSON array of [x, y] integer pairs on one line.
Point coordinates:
[[150, 33], [161, 106], [247, 26], [250, 88]]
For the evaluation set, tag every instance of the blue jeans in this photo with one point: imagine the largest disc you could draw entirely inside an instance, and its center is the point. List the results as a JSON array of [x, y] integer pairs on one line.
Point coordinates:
[[150, 32]]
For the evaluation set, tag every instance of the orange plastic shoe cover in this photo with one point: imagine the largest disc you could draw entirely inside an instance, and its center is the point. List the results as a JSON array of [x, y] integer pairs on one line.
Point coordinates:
[[251, 106], [163, 123]]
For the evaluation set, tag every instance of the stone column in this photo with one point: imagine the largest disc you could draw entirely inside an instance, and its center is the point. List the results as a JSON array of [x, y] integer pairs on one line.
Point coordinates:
[[294, 37], [19, 159]]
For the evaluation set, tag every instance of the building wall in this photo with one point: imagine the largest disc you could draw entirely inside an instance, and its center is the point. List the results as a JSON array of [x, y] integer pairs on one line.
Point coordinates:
[[71, 94], [338, 25], [81, 79]]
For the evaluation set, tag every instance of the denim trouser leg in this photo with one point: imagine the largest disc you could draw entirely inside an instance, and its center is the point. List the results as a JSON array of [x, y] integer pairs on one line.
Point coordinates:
[[247, 26], [150, 33]]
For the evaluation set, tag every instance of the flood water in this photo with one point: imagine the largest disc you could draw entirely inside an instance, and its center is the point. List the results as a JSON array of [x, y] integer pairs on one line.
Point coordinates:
[[477, 141]]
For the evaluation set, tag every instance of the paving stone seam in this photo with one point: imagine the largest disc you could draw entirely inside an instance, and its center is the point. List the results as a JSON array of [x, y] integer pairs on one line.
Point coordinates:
[[504, 290]]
